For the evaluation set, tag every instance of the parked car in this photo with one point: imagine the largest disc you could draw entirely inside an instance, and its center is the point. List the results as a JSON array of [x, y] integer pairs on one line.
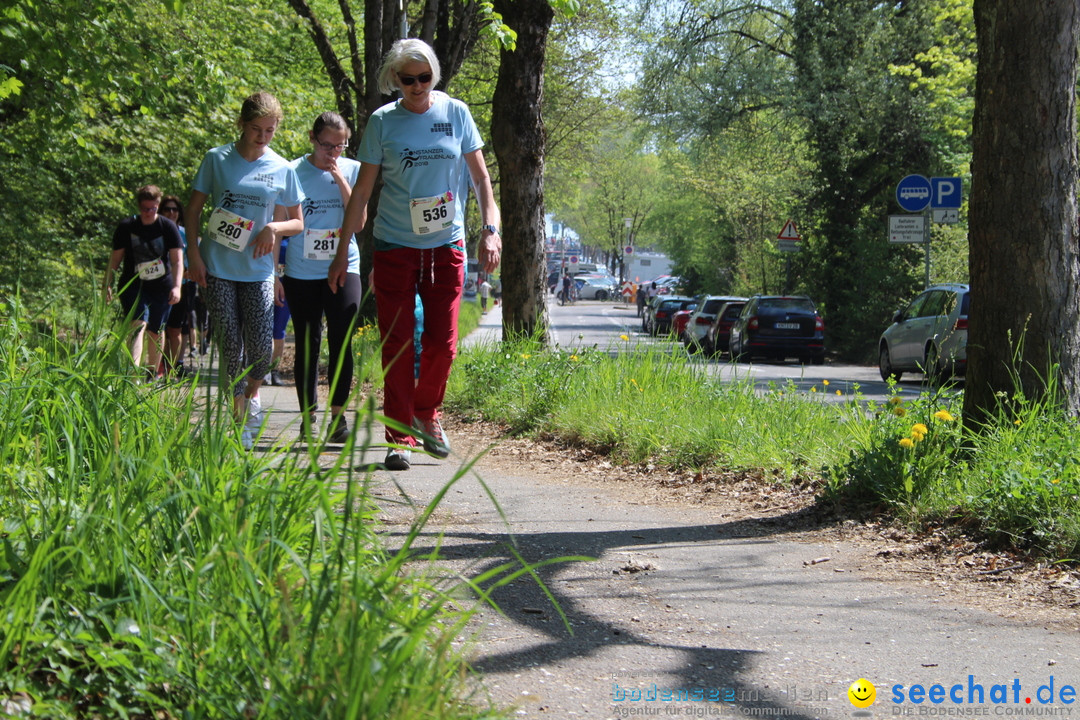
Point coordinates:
[[693, 336], [929, 335], [595, 287], [659, 320], [779, 327], [716, 338], [668, 284], [680, 319]]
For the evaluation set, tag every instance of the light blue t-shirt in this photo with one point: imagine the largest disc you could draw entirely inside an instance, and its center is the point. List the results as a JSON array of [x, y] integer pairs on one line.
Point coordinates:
[[421, 157], [250, 190], [323, 209]]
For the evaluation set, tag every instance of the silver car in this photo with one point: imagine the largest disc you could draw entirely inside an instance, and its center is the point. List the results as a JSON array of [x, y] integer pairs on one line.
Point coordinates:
[[928, 336], [702, 317], [595, 287]]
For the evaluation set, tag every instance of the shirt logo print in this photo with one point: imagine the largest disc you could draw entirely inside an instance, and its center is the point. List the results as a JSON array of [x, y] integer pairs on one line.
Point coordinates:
[[443, 128]]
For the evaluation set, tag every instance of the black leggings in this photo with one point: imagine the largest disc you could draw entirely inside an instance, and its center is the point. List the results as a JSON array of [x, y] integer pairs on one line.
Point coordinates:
[[308, 300]]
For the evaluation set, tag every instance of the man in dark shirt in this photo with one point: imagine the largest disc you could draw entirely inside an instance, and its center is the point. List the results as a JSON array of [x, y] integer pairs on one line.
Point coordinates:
[[149, 248]]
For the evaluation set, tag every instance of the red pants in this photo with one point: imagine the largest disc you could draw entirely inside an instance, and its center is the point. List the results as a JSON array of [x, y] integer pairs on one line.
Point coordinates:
[[437, 275]]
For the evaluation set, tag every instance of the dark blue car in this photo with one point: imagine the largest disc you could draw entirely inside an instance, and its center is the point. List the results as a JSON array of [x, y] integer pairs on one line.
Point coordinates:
[[779, 326]]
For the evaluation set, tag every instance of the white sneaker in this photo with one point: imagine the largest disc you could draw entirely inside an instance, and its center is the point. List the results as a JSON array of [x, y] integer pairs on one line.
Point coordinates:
[[255, 414], [247, 440]]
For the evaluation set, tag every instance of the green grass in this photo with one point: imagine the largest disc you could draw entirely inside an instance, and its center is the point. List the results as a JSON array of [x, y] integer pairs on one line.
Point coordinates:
[[150, 568], [1016, 483]]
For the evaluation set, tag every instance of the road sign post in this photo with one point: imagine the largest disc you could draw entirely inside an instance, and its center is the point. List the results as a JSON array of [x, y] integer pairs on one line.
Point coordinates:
[[788, 241]]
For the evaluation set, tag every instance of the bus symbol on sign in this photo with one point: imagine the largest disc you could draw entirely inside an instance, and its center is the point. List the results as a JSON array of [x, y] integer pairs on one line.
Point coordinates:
[[913, 193]]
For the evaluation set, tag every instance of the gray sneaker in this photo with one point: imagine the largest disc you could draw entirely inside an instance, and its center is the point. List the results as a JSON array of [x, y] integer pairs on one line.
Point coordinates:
[[339, 430], [398, 459], [435, 441]]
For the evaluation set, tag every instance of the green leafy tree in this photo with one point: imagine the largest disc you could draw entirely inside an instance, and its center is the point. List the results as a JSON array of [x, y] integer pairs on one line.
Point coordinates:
[[104, 99], [622, 183], [748, 178], [867, 128]]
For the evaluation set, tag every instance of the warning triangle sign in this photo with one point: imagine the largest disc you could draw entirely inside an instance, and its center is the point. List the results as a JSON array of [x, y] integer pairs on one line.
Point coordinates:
[[789, 232]]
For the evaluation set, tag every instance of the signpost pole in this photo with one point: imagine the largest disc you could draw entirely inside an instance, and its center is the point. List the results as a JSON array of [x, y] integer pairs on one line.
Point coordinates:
[[926, 247]]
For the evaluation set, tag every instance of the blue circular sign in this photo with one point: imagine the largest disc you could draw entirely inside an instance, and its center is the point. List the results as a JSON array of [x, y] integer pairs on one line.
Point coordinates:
[[913, 193]]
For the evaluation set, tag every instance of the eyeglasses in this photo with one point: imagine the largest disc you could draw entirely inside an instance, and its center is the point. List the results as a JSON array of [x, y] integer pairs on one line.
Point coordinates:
[[151, 209], [422, 78], [330, 147]]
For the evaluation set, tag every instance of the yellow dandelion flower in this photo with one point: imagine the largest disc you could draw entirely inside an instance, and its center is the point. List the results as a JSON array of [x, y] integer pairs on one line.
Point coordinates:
[[899, 411], [839, 393], [918, 437], [895, 400], [574, 358], [1018, 422], [919, 428], [525, 356], [813, 389], [944, 415], [624, 337], [1055, 481], [907, 443], [825, 383]]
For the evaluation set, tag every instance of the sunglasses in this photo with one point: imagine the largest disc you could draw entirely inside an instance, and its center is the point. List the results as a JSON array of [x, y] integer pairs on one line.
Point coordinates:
[[169, 209], [422, 78]]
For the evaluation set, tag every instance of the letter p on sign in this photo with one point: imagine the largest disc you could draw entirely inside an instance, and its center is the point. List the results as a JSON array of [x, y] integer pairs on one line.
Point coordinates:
[[946, 192]]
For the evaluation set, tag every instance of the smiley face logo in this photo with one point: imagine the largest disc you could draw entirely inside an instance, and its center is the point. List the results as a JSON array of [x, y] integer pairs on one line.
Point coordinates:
[[862, 693]]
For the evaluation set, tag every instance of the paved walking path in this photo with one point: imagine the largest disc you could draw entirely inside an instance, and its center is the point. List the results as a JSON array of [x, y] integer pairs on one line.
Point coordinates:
[[683, 614]]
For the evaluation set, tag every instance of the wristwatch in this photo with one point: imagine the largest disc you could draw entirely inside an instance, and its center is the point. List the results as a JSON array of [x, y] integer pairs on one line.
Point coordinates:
[[491, 229]]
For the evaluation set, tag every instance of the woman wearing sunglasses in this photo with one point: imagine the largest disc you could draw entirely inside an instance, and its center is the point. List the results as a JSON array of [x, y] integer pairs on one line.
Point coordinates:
[[429, 151], [234, 259], [327, 179], [181, 318]]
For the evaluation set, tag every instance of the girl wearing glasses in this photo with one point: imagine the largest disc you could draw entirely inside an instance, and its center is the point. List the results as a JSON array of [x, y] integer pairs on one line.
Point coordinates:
[[234, 258], [327, 179], [428, 148]]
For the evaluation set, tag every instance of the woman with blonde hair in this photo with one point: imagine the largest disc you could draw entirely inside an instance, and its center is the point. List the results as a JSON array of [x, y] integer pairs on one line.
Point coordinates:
[[234, 259]]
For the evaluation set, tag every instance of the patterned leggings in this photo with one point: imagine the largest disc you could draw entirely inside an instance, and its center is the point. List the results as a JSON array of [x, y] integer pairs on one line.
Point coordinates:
[[243, 321]]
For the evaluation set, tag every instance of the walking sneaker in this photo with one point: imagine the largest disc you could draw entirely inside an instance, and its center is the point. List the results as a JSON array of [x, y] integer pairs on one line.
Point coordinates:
[[255, 415], [435, 441], [275, 378], [247, 440], [307, 428], [339, 429], [397, 459]]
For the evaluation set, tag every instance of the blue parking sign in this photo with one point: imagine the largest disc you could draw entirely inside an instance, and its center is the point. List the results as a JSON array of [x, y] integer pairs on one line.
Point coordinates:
[[913, 193], [946, 192]]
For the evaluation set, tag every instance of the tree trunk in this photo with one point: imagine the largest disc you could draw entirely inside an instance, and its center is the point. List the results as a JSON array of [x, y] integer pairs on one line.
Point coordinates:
[[1025, 306], [519, 139]]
